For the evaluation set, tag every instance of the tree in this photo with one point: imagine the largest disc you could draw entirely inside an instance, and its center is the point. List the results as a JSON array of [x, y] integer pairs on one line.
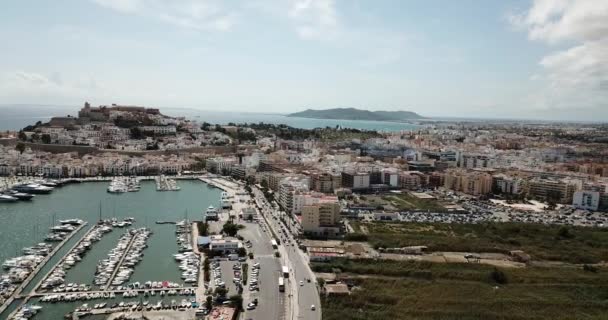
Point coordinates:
[[209, 302], [22, 136], [241, 252], [20, 147], [230, 229], [136, 133], [237, 301], [46, 138], [221, 292], [564, 233], [498, 276]]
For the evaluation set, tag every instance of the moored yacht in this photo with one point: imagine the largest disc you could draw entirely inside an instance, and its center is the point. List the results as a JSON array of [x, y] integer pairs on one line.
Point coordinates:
[[7, 198], [21, 195], [33, 188], [211, 213]]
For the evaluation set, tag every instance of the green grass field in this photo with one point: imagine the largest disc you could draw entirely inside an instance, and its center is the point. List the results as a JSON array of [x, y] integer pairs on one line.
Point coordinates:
[[414, 290], [556, 243], [406, 201]]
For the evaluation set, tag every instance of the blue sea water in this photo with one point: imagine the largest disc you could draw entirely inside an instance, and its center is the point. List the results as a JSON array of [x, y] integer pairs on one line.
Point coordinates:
[[15, 117]]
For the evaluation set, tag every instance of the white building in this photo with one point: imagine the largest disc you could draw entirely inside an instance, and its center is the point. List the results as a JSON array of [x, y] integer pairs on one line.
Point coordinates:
[[160, 130], [587, 200]]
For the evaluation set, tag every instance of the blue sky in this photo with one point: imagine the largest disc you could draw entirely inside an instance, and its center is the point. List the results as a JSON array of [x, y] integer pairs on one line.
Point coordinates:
[[522, 59]]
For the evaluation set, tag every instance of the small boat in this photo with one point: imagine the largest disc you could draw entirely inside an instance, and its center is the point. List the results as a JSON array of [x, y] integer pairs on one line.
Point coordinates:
[[7, 198], [21, 195]]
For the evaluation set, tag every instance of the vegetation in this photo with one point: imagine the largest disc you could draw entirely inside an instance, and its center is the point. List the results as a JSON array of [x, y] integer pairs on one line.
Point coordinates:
[[46, 138], [20, 147], [230, 228], [446, 300], [209, 302], [406, 201], [424, 290], [237, 301], [541, 242], [203, 228]]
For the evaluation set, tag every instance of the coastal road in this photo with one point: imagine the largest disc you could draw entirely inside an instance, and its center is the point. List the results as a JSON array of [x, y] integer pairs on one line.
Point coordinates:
[[271, 301], [302, 297]]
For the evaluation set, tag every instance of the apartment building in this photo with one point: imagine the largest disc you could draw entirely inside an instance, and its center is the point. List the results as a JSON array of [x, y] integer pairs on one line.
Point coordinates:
[[326, 182], [586, 200], [470, 182], [355, 180], [159, 130], [508, 185], [472, 161], [322, 217], [409, 180], [561, 191]]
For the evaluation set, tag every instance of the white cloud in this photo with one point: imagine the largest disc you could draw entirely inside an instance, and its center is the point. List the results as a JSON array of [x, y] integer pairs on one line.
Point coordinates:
[[575, 77], [40, 88], [314, 19], [200, 15]]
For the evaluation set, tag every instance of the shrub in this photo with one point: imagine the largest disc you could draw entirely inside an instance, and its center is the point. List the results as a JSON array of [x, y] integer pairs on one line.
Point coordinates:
[[498, 276]]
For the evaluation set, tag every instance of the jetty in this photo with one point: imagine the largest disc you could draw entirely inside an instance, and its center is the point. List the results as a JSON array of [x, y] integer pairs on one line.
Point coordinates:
[[32, 275]]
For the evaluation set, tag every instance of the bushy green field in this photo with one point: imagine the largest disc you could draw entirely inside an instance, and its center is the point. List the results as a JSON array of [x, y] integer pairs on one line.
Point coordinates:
[[557, 243], [415, 290]]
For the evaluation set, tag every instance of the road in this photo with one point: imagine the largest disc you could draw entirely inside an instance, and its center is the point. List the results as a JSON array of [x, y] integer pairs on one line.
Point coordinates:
[[271, 304], [271, 301], [302, 297]]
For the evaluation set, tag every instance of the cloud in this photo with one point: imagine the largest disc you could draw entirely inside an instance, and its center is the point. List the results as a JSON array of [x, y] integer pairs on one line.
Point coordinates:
[[575, 77], [314, 19], [200, 15], [40, 88]]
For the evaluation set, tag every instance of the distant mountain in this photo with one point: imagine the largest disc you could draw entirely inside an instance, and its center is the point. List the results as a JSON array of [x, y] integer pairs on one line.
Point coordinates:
[[357, 114]]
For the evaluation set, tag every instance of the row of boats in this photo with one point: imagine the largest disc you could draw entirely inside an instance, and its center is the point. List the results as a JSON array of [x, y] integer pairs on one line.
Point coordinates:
[[124, 184], [184, 239], [26, 312], [56, 279], [117, 268], [164, 183], [189, 262], [26, 191], [134, 306], [85, 296], [18, 269]]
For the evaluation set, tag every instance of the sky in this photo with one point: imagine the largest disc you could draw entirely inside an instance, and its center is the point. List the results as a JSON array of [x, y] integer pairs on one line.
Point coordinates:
[[536, 59]]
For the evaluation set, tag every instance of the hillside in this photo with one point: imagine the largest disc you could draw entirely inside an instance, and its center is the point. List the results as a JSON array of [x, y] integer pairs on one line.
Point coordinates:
[[356, 114]]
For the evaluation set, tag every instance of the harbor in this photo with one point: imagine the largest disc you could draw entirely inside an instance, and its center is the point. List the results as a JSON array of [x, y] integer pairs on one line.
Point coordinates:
[[154, 265]]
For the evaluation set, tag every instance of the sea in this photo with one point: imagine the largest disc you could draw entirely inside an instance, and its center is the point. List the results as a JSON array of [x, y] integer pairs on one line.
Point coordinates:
[[25, 223], [16, 117]]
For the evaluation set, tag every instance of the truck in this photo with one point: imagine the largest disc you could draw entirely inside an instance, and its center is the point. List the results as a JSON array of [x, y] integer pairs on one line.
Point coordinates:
[[285, 272], [281, 284]]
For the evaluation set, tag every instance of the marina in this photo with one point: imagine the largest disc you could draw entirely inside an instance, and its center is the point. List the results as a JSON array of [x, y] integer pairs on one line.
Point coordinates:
[[154, 277], [124, 184], [22, 270], [163, 183]]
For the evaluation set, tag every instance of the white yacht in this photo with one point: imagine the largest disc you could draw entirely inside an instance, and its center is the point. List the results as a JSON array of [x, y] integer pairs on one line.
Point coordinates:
[[211, 213], [7, 198]]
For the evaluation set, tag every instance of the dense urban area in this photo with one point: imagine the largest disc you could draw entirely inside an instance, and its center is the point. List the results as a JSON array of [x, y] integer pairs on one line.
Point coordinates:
[[451, 220]]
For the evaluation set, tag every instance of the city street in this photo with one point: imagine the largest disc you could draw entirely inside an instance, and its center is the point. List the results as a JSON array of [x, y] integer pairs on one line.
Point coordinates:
[[303, 296], [271, 302]]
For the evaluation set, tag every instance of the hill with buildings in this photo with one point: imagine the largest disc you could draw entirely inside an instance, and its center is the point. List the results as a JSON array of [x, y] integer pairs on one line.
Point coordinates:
[[357, 114]]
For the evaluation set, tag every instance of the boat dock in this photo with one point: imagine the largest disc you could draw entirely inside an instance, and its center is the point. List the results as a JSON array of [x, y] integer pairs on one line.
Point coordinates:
[[32, 275], [122, 259]]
